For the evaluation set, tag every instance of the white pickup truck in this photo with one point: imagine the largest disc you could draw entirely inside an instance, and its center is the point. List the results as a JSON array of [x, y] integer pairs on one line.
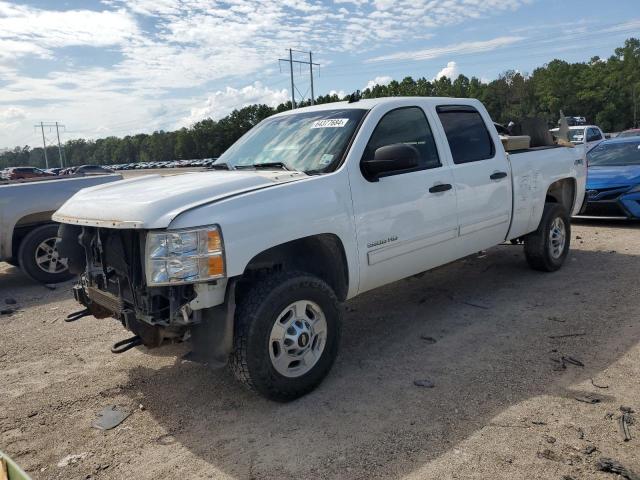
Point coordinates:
[[310, 208]]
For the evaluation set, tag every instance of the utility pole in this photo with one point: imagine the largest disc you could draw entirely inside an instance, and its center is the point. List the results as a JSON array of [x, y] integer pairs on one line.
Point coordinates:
[[57, 126], [293, 96], [313, 98], [291, 61], [44, 146], [635, 105], [59, 146]]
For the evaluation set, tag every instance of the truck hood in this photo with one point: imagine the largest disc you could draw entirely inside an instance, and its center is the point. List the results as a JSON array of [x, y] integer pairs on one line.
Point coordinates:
[[602, 177], [153, 201]]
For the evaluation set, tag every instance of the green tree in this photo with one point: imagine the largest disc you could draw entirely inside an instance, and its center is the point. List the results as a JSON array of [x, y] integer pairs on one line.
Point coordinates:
[[602, 90]]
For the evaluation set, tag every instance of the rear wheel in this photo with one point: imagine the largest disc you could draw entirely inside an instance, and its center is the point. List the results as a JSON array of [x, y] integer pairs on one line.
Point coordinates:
[[39, 257], [547, 247], [286, 335]]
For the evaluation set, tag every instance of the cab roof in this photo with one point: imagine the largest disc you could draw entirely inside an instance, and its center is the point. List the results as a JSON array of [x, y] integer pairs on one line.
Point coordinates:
[[369, 103]]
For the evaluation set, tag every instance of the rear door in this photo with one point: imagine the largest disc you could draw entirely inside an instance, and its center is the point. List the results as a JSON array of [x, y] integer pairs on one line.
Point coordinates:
[[406, 222], [482, 176]]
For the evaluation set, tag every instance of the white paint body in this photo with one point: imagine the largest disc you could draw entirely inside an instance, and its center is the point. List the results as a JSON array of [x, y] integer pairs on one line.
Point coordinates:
[[587, 136], [33, 203], [257, 210]]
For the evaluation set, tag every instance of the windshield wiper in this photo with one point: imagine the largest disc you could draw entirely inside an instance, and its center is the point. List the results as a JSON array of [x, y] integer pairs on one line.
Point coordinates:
[[267, 166], [220, 166]]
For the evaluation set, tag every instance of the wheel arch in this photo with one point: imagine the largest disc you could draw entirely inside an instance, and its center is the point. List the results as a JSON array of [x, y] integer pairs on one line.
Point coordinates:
[[26, 224], [322, 255], [563, 192]]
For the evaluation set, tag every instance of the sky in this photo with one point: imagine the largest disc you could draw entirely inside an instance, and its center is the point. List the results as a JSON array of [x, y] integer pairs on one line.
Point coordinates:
[[121, 67]]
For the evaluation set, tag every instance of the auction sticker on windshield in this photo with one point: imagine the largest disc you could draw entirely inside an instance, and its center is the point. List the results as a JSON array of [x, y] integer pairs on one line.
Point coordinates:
[[330, 123]]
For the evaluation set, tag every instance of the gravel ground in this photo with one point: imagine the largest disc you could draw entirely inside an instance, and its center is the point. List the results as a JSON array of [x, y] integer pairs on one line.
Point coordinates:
[[500, 408]]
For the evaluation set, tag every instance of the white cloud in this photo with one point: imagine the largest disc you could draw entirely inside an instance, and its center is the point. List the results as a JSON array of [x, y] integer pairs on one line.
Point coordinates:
[[339, 93], [12, 113], [450, 71], [26, 30], [355, 2], [223, 102], [381, 80], [10, 117], [457, 48], [384, 4], [172, 52]]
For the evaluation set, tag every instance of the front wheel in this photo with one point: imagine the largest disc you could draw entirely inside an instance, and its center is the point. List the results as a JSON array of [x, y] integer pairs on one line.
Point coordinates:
[[548, 247], [286, 338], [38, 256]]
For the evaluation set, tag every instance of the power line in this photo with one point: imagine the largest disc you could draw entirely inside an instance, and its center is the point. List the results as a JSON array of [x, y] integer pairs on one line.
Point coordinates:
[[291, 61]]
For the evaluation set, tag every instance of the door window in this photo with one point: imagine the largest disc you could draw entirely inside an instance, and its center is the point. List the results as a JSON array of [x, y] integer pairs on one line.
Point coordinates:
[[467, 134], [593, 135], [406, 125]]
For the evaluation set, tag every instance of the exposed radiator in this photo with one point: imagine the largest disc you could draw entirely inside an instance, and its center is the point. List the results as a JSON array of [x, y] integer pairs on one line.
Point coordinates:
[[106, 300]]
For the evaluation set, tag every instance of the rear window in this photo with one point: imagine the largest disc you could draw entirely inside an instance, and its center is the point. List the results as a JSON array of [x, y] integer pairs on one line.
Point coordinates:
[[467, 134]]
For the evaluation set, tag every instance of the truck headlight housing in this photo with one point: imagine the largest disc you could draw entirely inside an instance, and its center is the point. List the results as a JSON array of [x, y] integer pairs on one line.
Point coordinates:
[[184, 256]]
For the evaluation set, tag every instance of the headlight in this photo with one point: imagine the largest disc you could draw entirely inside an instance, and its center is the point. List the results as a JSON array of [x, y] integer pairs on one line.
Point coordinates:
[[185, 256]]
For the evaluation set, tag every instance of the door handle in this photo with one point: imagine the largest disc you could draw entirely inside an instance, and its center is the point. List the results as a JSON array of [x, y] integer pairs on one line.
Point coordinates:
[[442, 187], [497, 175]]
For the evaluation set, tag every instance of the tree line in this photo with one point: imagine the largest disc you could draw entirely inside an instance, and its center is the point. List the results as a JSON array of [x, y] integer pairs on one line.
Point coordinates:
[[605, 91]]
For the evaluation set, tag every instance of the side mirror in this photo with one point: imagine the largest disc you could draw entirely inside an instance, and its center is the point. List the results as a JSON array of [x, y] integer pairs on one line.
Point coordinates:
[[389, 159]]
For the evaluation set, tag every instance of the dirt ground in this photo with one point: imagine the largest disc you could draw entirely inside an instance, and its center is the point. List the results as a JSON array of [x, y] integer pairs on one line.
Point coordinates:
[[501, 407]]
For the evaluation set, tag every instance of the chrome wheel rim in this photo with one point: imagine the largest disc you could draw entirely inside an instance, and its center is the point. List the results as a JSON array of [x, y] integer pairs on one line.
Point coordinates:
[[557, 238], [297, 338], [47, 258]]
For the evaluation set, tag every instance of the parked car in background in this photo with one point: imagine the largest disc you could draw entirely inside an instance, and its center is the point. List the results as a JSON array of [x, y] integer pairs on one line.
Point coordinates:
[[574, 121], [27, 233], [92, 170], [587, 135], [634, 132], [20, 173], [613, 180], [54, 171]]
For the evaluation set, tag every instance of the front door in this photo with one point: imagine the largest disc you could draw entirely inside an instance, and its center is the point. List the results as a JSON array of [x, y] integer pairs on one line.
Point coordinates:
[[406, 221], [482, 177]]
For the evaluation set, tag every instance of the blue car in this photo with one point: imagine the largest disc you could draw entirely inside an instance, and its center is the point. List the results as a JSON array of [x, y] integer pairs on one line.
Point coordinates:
[[613, 179]]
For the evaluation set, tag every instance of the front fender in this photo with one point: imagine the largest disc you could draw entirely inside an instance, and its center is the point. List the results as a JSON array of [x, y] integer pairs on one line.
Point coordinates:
[[257, 221]]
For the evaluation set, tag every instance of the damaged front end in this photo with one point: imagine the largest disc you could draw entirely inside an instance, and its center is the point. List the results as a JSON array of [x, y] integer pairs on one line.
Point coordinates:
[[113, 283]]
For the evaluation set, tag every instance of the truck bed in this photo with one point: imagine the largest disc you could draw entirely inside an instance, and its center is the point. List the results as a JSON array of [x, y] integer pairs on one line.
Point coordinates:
[[528, 167]]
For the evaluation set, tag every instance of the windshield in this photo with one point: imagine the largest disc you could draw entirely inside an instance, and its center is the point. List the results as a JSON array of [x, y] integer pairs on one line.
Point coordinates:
[[576, 135], [615, 154], [629, 133], [310, 142]]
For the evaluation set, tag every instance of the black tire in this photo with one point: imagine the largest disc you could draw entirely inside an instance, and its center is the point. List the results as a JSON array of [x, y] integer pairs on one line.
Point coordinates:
[[256, 315], [538, 246], [27, 256]]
